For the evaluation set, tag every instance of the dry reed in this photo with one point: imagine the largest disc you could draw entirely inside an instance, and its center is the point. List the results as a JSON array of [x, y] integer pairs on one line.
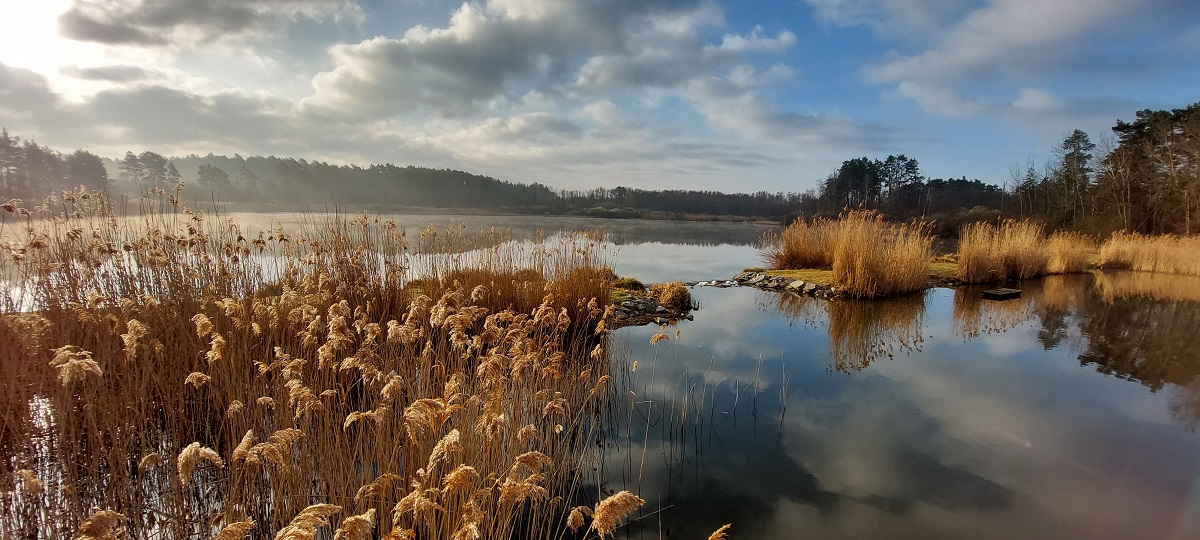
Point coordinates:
[[1069, 252], [347, 375], [869, 258], [1168, 254], [1014, 250]]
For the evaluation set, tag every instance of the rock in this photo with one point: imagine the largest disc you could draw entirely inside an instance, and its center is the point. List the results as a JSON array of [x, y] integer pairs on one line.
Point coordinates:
[[660, 321], [729, 283], [661, 309], [743, 276], [795, 286], [757, 279], [810, 287], [690, 317]]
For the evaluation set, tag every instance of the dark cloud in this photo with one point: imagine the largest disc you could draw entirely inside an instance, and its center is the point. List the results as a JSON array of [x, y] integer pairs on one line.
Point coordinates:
[[164, 22], [117, 73]]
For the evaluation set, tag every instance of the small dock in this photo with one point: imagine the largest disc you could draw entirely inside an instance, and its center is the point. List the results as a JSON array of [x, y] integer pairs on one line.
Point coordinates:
[[1002, 294]]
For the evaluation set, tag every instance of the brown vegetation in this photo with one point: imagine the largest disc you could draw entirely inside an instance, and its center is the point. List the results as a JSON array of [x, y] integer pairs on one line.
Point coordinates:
[[673, 296], [869, 258], [1167, 254], [1018, 250], [429, 387]]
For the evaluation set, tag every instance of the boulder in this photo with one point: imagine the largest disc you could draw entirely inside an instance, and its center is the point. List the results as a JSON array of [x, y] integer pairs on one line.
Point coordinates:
[[810, 287], [795, 286], [757, 279]]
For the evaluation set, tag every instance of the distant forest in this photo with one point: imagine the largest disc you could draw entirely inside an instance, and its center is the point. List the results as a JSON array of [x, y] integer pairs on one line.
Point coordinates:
[[1147, 180]]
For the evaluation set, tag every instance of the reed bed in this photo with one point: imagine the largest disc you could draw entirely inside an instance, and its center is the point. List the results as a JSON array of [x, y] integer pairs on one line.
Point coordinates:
[[1069, 252], [869, 258], [1169, 254], [193, 380], [1014, 250]]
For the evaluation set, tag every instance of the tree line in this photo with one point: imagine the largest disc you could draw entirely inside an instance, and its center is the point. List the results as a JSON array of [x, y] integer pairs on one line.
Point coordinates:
[[1145, 180]]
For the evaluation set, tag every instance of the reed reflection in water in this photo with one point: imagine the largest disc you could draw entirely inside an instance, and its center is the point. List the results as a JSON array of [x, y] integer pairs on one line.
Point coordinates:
[[861, 331], [742, 417]]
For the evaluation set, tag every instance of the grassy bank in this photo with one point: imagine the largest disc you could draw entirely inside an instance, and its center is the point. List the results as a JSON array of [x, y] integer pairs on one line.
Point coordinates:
[[188, 378]]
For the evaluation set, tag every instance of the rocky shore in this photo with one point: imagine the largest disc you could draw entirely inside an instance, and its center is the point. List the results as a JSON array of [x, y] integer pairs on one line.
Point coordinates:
[[767, 282]]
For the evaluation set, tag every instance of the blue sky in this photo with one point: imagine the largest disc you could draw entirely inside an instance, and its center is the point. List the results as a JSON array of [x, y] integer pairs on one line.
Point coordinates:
[[681, 94]]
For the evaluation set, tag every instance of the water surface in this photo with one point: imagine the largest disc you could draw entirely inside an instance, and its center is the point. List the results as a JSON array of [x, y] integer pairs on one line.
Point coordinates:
[[1069, 413]]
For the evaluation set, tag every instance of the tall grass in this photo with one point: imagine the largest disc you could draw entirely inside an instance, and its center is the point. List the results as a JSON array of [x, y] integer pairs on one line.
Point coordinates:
[[1069, 252], [1014, 250], [869, 258], [1168, 254], [802, 245], [188, 378]]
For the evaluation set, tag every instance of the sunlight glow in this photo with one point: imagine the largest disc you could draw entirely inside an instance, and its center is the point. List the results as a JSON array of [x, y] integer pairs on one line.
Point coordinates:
[[29, 35]]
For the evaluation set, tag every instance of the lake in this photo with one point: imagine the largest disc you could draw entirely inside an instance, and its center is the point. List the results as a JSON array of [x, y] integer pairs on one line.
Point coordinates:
[[1071, 412]]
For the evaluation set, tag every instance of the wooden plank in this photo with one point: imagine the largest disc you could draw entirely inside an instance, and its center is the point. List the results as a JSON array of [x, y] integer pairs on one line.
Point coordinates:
[[1002, 294]]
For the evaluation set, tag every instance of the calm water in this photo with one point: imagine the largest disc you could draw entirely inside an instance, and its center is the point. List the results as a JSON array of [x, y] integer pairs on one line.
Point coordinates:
[[1069, 413]]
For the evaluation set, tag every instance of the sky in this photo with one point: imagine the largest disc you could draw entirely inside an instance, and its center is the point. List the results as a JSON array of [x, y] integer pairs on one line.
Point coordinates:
[[736, 96]]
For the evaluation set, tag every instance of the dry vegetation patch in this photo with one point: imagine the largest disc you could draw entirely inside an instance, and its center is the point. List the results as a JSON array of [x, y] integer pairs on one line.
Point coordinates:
[[343, 377], [868, 257]]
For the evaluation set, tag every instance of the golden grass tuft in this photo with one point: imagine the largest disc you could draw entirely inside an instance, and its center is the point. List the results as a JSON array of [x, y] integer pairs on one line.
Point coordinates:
[[358, 527], [1014, 250], [1069, 252], [192, 457], [868, 257], [722, 533], [236, 531], [1168, 254], [802, 245], [612, 510], [673, 296], [101, 525]]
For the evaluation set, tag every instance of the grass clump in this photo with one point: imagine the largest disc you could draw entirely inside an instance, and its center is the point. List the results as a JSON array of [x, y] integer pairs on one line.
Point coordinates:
[[1168, 254], [629, 283], [189, 377], [1014, 250], [802, 245], [1069, 252], [673, 296], [868, 258]]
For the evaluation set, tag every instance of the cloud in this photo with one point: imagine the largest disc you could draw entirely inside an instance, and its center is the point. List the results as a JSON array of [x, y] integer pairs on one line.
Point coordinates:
[[490, 51], [30, 108], [731, 104], [113, 73], [173, 22]]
